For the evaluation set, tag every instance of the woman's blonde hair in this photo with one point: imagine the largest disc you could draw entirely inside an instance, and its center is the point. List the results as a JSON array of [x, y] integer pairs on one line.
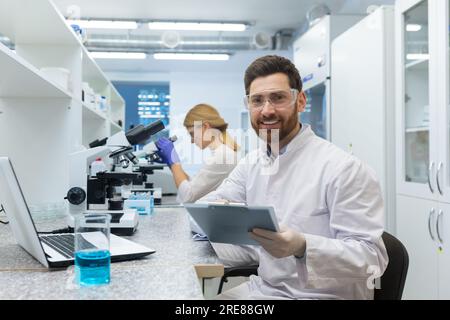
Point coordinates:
[[207, 113]]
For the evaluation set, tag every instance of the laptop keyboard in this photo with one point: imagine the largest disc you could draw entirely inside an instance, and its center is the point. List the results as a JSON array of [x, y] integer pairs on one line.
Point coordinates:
[[63, 243]]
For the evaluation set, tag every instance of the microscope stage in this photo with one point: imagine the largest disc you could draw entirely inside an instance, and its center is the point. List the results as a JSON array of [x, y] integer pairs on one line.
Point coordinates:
[[123, 222]]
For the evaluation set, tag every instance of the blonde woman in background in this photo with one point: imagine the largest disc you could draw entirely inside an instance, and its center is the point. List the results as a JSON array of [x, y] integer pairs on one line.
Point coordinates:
[[208, 130]]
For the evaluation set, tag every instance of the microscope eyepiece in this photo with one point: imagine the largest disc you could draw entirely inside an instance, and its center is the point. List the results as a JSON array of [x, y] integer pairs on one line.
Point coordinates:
[[98, 143], [141, 134]]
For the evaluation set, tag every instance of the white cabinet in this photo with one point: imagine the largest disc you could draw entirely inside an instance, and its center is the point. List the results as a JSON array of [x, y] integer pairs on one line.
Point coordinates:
[[43, 120], [423, 144], [442, 100], [423, 158], [443, 238], [416, 221], [312, 57], [361, 90], [423, 227]]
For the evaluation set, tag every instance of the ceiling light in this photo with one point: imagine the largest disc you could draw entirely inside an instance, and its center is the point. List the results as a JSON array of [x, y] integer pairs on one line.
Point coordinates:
[[197, 26], [413, 27], [104, 24], [118, 55], [192, 56], [417, 56]]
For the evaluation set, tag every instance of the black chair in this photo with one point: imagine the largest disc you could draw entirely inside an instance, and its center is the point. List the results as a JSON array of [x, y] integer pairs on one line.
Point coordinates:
[[392, 282], [394, 277], [245, 271]]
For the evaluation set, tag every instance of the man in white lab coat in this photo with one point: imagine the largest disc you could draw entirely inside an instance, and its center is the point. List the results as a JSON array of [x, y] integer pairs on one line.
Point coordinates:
[[328, 202]]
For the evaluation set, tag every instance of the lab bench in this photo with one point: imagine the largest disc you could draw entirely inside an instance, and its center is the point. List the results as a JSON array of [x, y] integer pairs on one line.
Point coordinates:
[[172, 272]]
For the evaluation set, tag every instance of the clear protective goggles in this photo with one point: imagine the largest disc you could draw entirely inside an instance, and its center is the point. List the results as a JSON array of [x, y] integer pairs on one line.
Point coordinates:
[[277, 98]]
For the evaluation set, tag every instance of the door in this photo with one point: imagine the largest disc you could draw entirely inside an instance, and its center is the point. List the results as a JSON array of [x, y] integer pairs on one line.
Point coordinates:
[[416, 114], [442, 9], [416, 229], [443, 238], [443, 223], [361, 91]]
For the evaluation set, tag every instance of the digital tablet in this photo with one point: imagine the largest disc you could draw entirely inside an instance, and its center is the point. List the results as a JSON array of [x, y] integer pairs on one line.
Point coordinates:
[[226, 223]]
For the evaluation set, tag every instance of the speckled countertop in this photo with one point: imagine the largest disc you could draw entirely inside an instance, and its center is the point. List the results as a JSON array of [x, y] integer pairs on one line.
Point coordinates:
[[167, 274]]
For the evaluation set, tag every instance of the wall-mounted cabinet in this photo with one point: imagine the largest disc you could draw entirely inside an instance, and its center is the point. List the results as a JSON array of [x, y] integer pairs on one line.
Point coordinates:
[[43, 117], [423, 145], [423, 115]]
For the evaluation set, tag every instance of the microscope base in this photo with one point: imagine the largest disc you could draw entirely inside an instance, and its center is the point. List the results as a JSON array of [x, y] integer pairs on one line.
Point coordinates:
[[123, 223]]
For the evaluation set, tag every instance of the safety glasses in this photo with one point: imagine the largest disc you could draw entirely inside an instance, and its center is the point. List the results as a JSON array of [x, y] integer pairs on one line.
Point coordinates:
[[279, 99]]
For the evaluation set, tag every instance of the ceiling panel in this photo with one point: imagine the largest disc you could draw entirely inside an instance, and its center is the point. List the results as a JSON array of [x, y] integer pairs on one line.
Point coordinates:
[[266, 15]]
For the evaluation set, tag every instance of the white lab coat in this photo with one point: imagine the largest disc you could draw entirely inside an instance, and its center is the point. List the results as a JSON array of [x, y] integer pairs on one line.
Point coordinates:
[[328, 195], [215, 169]]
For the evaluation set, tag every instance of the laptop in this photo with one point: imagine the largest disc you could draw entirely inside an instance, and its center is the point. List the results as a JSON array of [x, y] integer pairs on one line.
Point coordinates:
[[52, 250]]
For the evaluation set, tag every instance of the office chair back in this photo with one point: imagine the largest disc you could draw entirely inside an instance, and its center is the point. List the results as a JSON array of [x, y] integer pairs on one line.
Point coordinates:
[[394, 277], [245, 271]]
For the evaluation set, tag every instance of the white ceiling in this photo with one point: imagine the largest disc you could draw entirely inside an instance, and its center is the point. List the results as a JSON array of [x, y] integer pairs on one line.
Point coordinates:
[[266, 15], [271, 14]]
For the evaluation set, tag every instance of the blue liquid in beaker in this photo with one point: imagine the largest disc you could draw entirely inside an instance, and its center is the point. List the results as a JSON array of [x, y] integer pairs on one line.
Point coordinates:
[[92, 267]]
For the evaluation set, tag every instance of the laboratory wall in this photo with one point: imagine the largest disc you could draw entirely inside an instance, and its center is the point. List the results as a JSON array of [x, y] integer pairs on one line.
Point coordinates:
[[223, 91]]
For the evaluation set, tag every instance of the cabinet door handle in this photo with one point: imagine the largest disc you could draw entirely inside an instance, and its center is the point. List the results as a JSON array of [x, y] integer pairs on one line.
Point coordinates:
[[437, 178], [429, 223], [437, 226], [430, 172]]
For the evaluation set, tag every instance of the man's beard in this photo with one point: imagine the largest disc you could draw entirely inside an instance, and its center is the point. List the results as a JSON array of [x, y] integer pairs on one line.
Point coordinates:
[[274, 136]]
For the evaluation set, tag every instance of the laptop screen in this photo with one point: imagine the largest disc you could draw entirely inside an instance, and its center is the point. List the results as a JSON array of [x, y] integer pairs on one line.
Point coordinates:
[[13, 201]]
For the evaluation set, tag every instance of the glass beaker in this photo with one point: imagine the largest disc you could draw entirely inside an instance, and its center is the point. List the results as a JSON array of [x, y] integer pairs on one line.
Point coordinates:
[[92, 255]]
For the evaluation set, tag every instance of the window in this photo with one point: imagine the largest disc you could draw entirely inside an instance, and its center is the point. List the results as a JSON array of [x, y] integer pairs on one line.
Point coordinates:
[[146, 103]]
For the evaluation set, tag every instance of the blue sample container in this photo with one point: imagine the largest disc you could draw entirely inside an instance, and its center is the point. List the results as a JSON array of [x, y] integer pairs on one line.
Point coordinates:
[[93, 267], [152, 204]]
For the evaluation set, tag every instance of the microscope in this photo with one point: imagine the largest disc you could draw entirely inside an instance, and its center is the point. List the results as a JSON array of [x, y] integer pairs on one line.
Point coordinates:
[[146, 168], [99, 193]]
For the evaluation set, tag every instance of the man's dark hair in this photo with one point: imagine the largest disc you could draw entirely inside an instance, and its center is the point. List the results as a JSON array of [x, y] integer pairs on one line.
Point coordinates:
[[268, 65]]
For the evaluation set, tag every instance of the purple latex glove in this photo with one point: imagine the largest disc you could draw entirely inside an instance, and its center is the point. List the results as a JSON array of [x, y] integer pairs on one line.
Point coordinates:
[[166, 151]]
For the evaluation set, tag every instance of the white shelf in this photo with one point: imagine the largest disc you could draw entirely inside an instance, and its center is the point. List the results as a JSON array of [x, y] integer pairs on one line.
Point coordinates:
[[101, 84], [115, 126], [417, 64], [117, 102], [43, 38], [92, 114], [35, 22], [417, 129], [115, 96], [19, 79], [92, 72]]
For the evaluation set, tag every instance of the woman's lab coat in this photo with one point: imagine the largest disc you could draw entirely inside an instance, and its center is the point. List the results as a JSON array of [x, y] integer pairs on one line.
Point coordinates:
[[215, 169], [328, 195]]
